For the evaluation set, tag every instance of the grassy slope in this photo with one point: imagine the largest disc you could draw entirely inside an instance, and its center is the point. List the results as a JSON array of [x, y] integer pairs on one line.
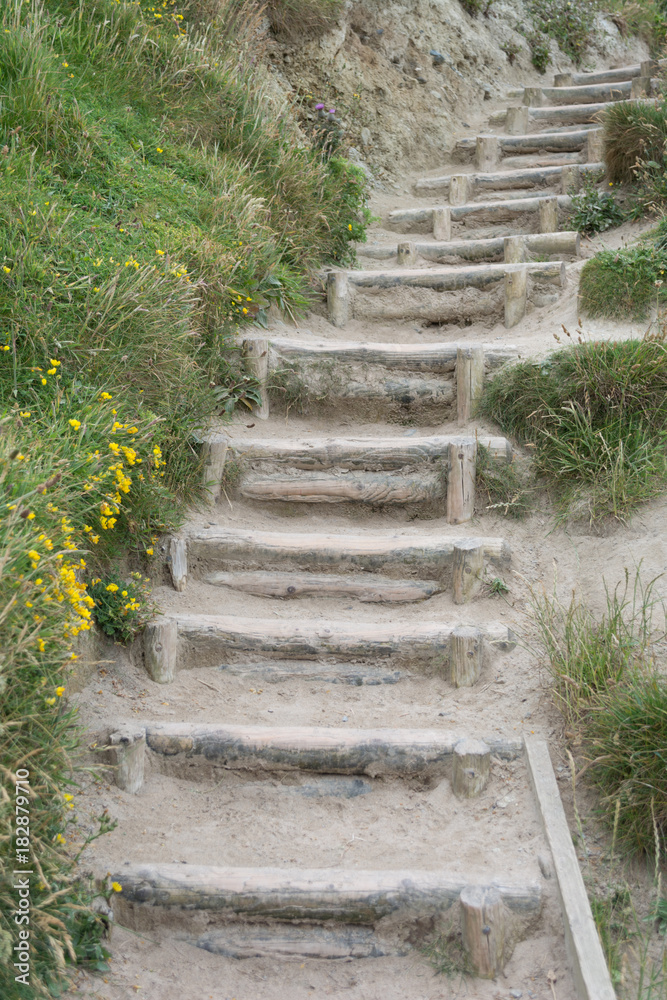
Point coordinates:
[[154, 199]]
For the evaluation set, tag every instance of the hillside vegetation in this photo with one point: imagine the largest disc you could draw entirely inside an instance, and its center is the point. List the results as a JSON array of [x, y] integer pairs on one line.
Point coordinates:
[[155, 197]]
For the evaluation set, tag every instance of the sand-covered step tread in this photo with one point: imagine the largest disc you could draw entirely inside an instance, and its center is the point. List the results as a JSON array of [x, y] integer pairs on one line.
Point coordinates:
[[364, 587], [560, 244], [647, 68], [280, 942], [500, 180], [437, 358], [422, 218], [372, 488]]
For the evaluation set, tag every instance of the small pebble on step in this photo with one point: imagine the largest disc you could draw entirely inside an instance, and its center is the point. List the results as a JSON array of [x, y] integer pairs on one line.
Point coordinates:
[[516, 994]]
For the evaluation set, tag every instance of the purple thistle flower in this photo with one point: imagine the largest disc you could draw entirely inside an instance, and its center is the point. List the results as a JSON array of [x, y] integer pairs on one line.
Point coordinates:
[[318, 107], [332, 111]]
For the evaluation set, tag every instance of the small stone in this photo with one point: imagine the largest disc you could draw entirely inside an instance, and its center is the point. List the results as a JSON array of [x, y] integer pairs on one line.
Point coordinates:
[[438, 58], [366, 137], [421, 79], [544, 861], [436, 94], [345, 718], [516, 994]]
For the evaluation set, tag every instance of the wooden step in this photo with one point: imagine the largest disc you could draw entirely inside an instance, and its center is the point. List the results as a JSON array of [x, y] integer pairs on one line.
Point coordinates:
[[411, 220], [373, 752], [396, 556], [504, 179], [373, 488], [647, 68], [588, 93], [432, 358], [281, 943], [569, 114], [319, 895], [448, 649], [368, 588], [440, 295], [570, 141], [322, 672], [372, 454], [564, 244]]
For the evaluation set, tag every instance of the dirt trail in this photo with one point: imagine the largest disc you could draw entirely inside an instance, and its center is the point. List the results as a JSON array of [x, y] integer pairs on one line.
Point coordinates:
[[331, 661]]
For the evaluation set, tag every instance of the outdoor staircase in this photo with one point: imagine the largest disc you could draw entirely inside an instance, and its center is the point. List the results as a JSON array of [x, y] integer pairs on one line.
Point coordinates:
[[338, 554]]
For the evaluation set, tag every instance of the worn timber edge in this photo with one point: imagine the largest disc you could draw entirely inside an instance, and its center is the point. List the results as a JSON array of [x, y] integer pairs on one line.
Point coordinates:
[[590, 972]]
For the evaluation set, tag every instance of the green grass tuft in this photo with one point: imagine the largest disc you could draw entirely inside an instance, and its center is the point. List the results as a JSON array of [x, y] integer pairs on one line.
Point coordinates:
[[626, 283]]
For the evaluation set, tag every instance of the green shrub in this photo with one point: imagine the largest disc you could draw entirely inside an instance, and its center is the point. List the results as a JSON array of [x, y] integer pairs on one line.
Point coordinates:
[[624, 283], [570, 24], [122, 607], [634, 132], [476, 7], [302, 18], [595, 415], [594, 211], [540, 53]]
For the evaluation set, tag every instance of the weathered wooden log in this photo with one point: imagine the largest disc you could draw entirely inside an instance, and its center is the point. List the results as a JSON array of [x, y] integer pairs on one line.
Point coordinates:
[[360, 453], [460, 189], [178, 562], [406, 255], [556, 244], [471, 768], [365, 587], [256, 356], [367, 552], [608, 75], [432, 357], [515, 249], [127, 754], [516, 293], [570, 114], [442, 223], [214, 455], [533, 97], [205, 638], [160, 642], [467, 570], [594, 149], [487, 152], [453, 278], [503, 179], [461, 476], [590, 93], [341, 894], [640, 87], [466, 655], [469, 381], [590, 973], [279, 942], [375, 752], [318, 671], [422, 218], [563, 80], [337, 297], [516, 121], [548, 211], [571, 178], [374, 488], [543, 142], [484, 925]]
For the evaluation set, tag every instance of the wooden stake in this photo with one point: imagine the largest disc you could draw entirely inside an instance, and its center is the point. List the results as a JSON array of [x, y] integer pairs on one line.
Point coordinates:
[[338, 297], [548, 213], [533, 97], [461, 480], [178, 562], [469, 380], [514, 249], [640, 87], [160, 646], [563, 80], [406, 254], [256, 354], [516, 122], [570, 178], [460, 189], [467, 569], [466, 647], [487, 152], [127, 755], [442, 223], [484, 922], [649, 68], [471, 768], [516, 289], [214, 454], [594, 148]]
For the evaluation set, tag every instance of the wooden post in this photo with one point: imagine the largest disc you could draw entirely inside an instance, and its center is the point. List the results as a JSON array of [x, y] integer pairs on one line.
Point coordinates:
[[442, 224], [461, 480], [160, 646], [467, 569], [406, 254], [533, 97], [214, 454], [640, 87], [514, 249], [570, 178], [256, 354], [649, 68], [487, 152], [484, 921], [516, 122], [563, 80], [338, 297], [460, 189], [178, 562], [127, 756], [516, 289], [594, 148], [471, 768], [548, 213], [466, 651], [469, 380]]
